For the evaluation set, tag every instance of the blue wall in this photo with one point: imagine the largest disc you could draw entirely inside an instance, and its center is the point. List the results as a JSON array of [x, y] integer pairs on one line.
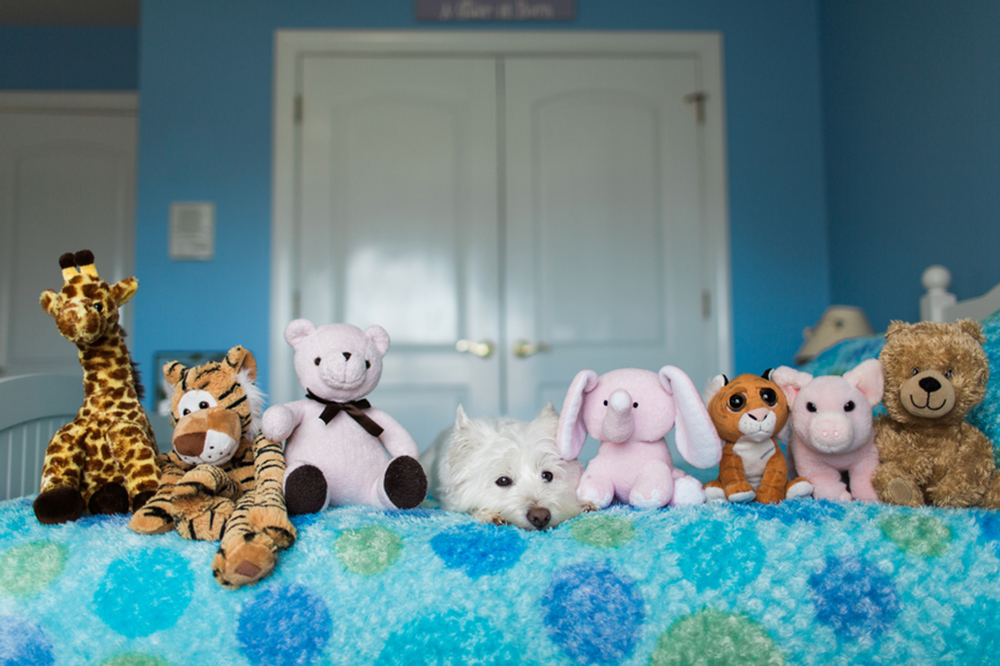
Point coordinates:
[[206, 89], [69, 58], [205, 85], [912, 109]]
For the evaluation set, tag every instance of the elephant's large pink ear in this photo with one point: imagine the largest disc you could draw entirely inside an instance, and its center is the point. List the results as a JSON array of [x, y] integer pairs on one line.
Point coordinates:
[[571, 432], [695, 434], [869, 377]]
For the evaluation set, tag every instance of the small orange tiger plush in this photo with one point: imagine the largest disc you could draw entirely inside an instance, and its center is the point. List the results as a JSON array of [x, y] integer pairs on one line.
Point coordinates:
[[748, 413]]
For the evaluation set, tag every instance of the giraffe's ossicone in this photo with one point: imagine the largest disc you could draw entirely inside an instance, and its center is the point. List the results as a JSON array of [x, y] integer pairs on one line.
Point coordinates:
[[104, 460]]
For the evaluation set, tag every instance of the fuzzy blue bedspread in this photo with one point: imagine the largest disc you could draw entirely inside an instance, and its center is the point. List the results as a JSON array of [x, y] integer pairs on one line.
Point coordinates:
[[803, 582]]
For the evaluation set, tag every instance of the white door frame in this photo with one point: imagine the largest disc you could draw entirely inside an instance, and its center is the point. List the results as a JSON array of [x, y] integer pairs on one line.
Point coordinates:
[[292, 45]]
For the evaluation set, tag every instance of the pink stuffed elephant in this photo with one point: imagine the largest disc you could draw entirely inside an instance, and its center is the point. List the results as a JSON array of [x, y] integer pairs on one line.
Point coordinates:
[[832, 428], [629, 412], [337, 442]]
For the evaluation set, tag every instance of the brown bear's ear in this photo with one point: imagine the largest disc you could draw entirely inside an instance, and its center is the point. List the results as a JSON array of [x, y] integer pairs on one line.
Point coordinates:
[[240, 359], [895, 326], [174, 372], [971, 328]]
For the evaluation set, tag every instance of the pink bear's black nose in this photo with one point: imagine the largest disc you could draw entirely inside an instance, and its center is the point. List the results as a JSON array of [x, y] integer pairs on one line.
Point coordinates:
[[347, 356]]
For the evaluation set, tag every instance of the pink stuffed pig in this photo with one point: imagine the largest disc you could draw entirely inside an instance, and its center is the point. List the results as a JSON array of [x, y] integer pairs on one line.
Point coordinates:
[[630, 412], [337, 442], [832, 428]]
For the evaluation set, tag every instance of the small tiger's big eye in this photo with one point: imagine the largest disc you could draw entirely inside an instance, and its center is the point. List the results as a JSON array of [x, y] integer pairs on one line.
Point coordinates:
[[203, 405], [316, 360], [547, 477], [186, 412], [504, 481], [736, 402], [849, 407], [810, 407], [769, 396]]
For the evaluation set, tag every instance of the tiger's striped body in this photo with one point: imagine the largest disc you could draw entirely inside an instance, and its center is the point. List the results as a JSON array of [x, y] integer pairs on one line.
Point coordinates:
[[222, 478], [748, 413]]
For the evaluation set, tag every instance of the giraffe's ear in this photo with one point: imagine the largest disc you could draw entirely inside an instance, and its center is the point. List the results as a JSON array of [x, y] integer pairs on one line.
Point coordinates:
[[122, 291], [50, 301]]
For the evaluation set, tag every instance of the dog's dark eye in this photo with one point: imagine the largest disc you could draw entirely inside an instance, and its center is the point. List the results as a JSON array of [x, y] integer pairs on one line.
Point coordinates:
[[505, 481], [736, 402], [769, 396], [810, 407], [547, 477], [849, 407]]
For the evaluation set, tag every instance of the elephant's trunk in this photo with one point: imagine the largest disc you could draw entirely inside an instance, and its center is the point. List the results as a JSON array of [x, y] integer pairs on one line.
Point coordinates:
[[618, 424]]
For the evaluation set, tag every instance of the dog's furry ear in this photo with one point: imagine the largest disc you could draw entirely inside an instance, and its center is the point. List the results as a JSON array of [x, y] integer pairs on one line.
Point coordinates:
[[461, 420], [547, 412]]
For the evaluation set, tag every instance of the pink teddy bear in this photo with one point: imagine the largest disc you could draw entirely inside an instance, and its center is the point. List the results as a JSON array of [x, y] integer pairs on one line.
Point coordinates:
[[337, 442], [630, 411], [832, 428]]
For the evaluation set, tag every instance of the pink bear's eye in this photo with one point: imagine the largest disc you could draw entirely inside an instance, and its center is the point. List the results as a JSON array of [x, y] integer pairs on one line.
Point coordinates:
[[316, 360]]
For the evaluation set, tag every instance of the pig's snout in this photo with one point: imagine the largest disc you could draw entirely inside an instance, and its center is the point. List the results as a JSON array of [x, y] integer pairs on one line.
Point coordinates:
[[830, 433]]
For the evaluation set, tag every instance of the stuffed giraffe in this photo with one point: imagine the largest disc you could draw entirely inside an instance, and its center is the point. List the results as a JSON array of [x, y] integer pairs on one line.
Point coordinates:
[[105, 459]]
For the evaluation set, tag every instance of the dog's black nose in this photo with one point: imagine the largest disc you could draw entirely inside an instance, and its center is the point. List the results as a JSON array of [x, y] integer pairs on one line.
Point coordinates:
[[929, 384], [539, 517]]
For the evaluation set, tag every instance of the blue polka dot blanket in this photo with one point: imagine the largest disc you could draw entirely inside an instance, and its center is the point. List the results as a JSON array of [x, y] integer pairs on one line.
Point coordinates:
[[803, 582]]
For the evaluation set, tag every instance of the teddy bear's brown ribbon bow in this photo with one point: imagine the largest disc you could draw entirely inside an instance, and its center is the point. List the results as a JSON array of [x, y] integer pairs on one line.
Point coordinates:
[[352, 409]]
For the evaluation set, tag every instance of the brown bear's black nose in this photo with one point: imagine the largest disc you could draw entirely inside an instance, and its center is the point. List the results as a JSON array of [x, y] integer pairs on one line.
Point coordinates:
[[539, 517], [929, 384]]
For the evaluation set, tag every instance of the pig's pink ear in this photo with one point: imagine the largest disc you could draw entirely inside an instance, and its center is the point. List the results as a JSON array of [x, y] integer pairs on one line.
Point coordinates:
[[869, 378], [790, 381]]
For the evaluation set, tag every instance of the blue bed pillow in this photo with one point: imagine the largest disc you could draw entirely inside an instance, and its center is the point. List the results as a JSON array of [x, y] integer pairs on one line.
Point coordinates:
[[986, 416]]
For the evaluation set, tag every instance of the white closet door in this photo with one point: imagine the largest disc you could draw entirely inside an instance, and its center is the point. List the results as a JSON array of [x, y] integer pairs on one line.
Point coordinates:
[[606, 263], [67, 183], [399, 223]]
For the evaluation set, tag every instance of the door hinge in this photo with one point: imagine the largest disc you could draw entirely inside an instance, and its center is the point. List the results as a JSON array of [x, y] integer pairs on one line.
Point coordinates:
[[706, 304], [698, 99], [298, 108]]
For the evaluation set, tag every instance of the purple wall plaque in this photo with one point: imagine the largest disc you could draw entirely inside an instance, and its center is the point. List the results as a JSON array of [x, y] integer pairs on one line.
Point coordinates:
[[495, 10]]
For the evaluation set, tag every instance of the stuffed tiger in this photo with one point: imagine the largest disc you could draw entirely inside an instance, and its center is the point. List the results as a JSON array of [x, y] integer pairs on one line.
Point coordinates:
[[222, 475], [748, 413]]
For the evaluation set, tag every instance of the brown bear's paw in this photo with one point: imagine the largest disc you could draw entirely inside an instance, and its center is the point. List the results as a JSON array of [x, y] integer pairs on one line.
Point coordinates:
[[151, 519], [955, 498], [903, 492], [305, 490], [109, 498], [405, 482], [246, 563], [58, 505]]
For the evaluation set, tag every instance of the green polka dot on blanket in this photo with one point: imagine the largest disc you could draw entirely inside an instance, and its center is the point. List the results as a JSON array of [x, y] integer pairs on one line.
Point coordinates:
[[986, 416]]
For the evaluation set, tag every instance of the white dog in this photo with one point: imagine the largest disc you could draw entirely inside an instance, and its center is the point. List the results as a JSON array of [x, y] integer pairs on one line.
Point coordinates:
[[505, 471]]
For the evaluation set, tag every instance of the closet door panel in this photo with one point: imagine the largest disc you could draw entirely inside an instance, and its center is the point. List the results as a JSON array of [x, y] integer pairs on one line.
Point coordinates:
[[603, 220], [399, 222]]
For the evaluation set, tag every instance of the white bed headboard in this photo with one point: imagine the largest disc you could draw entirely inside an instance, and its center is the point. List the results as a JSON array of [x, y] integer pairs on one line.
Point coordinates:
[[938, 304]]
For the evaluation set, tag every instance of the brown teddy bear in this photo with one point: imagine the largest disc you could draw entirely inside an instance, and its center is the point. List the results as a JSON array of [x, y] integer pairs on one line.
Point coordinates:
[[928, 454]]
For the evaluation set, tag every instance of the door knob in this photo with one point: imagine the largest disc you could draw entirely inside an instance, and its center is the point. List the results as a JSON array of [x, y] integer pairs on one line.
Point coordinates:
[[524, 349], [482, 349]]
